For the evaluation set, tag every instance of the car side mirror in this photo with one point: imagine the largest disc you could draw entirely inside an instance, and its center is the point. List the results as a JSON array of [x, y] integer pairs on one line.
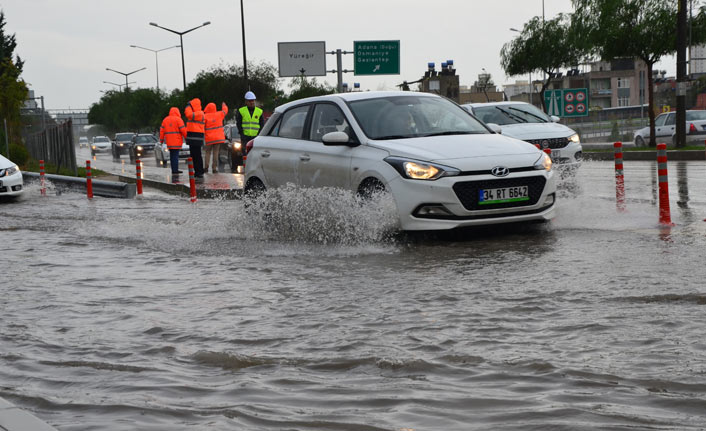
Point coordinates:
[[336, 138], [495, 128], [555, 119]]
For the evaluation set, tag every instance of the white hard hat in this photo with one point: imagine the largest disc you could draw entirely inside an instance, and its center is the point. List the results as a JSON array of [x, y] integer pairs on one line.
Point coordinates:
[[250, 96]]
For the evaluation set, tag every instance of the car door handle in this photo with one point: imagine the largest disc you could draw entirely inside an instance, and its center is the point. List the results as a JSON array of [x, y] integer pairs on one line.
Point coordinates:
[[265, 154], [304, 157]]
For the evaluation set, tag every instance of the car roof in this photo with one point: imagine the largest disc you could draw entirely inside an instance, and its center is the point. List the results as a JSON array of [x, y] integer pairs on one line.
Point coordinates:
[[353, 96]]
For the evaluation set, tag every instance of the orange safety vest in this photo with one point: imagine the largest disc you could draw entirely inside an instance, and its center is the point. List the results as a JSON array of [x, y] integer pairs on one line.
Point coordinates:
[[214, 124], [172, 130], [194, 116]]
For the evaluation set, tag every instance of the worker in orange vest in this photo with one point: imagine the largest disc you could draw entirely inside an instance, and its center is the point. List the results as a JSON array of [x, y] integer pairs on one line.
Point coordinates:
[[215, 136], [173, 132], [195, 134]]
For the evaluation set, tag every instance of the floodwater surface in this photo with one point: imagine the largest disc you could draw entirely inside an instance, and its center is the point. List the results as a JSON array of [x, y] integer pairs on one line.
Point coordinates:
[[159, 314]]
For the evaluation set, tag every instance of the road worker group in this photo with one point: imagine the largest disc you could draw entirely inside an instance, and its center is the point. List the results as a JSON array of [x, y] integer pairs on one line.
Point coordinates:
[[205, 128]]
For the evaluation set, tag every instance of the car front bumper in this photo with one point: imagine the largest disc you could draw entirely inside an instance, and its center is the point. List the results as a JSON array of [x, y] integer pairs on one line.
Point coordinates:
[[11, 185], [449, 202]]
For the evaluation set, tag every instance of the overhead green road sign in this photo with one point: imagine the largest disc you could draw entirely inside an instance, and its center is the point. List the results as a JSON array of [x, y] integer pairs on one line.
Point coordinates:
[[567, 102], [376, 57]]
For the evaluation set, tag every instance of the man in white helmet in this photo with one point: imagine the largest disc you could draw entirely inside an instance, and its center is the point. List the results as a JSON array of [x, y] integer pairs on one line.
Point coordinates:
[[249, 119]]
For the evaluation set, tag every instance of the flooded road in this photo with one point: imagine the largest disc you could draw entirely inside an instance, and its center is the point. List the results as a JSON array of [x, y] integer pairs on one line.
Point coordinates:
[[156, 314]]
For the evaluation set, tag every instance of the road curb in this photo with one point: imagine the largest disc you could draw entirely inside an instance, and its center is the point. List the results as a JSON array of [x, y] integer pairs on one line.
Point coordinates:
[[180, 189]]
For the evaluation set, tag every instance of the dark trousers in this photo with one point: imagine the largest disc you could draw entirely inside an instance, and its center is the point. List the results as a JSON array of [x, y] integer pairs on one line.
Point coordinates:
[[195, 152], [174, 160]]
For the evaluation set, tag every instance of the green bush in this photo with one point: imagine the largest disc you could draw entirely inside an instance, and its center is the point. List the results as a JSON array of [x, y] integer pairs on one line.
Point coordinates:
[[18, 154], [615, 132]]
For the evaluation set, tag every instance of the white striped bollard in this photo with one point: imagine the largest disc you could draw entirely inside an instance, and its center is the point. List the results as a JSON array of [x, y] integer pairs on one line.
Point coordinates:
[[89, 181], [138, 174], [43, 189], [665, 217], [192, 181], [619, 177]]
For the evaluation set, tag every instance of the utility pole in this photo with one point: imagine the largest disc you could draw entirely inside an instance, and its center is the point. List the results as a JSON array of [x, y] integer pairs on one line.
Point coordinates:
[[681, 75]]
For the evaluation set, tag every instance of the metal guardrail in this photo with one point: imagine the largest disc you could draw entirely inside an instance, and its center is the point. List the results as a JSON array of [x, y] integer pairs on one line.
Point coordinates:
[[54, 145], [107, 189]]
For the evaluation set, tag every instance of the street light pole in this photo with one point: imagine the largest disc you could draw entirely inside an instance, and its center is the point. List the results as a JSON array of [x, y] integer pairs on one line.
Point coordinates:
[[156, 62], [181, 43], [245, 58], [125, 74], [120, 86], [530, 74]]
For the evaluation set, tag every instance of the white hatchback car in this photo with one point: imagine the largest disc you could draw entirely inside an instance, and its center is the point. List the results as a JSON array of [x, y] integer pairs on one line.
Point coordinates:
[[525, 122], [444, 168], [11, 182]]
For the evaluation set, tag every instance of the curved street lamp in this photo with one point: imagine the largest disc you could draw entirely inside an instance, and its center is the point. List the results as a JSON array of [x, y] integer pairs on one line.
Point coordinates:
[[120, 86], [181, 43], [156, 63], [125, 74]]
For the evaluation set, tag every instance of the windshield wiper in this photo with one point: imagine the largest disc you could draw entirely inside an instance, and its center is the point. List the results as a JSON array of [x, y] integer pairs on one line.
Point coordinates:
[[529, 113], [452, 132], [511, 115], [382, 138]]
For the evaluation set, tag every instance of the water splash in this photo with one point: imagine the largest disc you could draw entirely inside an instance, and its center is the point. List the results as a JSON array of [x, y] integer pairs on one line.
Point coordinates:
[[322, 216]]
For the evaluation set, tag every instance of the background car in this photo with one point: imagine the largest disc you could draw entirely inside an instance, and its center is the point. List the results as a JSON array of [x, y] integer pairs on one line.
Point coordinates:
[[161, 153], [100, 144], [525, 122], [140, 145], [442, 167], [121, 143], [665, 129], [232, 151], [11, 183], [83, 141]]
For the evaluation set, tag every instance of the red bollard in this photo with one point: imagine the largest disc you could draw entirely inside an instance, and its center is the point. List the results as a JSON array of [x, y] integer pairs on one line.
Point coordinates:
[[619, 178], [192, 182], [89, 183], [138, 174], [43, 189], [665, 218]]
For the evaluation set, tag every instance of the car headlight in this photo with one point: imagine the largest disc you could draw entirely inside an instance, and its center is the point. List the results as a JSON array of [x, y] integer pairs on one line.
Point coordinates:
[[418, 170], [9, 171], [575, 138], [94, 147], [237, 145], [139, 148], [544, 162]]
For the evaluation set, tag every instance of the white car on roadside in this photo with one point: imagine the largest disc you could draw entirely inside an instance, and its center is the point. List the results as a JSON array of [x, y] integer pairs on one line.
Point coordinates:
[[525, 122], [665, 129], [444, 168], [11, 183]]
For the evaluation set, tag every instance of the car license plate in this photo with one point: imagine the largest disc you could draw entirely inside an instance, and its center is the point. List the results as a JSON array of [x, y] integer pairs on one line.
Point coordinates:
[[503, 195], [556, 154]]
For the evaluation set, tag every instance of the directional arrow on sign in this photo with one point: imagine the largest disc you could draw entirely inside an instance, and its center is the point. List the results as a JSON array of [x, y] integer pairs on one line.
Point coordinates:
[[377, 67]]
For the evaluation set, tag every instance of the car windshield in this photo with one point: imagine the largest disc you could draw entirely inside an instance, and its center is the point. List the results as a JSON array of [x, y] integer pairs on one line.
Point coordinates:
[[123, 136], [101, 139], [145, 139], [397, 117], [695, 115], [510, 114]]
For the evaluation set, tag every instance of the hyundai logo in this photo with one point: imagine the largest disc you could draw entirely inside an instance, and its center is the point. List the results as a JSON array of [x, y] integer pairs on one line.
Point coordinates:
[[500, 171]]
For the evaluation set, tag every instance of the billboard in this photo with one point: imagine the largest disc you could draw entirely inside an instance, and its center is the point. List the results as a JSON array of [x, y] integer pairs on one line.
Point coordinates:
[[301, 58]]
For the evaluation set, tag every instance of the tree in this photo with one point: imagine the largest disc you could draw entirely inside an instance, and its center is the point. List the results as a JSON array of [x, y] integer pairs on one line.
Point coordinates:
[[13, 90], [542, 46], [303, 87], [227, 84], [140, 110], [644, 29]]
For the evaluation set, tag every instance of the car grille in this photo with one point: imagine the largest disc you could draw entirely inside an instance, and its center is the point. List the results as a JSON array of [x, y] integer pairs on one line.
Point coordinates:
[[553, 143], [468, 191]]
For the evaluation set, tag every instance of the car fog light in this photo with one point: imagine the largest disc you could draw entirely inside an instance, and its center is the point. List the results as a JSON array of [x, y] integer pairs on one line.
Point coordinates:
[[432, 210], [549, 200]]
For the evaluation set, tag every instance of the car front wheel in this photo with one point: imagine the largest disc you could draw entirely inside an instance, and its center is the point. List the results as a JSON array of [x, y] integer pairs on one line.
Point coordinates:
[[370, 188], [639, 142]]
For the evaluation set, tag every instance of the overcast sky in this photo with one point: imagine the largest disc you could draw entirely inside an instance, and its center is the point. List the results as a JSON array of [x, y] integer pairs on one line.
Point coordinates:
[[67, 45]]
